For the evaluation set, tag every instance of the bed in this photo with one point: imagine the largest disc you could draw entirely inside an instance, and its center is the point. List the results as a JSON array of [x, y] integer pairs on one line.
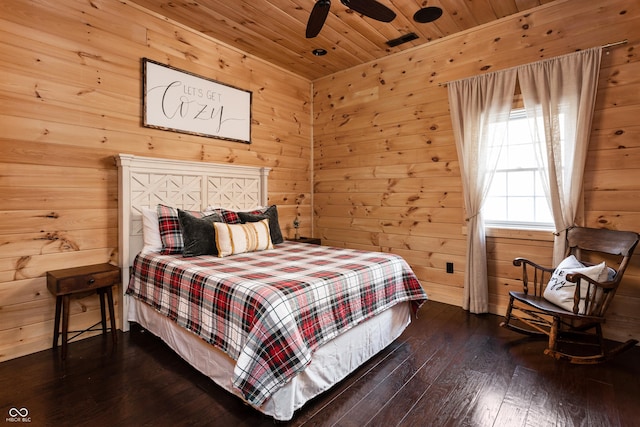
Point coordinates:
[[275, 324]]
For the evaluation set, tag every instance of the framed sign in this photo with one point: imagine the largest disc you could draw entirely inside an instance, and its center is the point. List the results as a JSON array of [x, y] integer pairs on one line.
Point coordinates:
[[180, 101]]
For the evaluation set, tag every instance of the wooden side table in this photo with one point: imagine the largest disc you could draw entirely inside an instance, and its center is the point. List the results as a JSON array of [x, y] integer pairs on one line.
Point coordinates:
[[64, 283], [310, 240]]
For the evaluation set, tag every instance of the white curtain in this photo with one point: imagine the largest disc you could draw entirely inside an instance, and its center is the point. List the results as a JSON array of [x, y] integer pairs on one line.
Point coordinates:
[[559, 94], [480, 109]]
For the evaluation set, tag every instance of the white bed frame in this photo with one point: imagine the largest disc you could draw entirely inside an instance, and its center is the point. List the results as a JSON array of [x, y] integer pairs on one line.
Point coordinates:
[[146, 182]]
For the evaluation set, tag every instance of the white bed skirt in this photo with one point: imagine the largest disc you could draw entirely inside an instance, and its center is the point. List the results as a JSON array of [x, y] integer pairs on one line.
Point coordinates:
[[330, 363]]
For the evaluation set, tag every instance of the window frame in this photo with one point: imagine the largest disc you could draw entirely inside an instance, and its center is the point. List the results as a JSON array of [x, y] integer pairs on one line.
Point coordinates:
[[519, 112]]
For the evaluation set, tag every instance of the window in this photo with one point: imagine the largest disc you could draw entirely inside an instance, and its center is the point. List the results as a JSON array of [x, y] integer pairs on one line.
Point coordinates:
[[516, 197]]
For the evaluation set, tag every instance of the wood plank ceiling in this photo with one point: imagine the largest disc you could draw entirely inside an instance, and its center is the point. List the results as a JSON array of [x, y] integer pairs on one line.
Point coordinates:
[[274, 30]]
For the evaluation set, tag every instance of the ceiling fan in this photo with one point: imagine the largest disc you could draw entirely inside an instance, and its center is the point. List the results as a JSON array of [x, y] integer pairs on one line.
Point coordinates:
[[371, 8]]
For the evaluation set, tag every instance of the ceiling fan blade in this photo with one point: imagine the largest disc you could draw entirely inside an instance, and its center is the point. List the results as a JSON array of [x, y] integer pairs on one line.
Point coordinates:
[[317, 17], [371, 8]]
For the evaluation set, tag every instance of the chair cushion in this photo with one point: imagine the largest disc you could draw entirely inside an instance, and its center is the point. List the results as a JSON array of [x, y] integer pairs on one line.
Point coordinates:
[[561, 292], [545, 306]]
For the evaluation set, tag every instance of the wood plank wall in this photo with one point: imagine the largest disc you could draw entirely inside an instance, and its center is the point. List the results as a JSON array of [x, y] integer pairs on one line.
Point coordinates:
[[386, 174], [70, 83]]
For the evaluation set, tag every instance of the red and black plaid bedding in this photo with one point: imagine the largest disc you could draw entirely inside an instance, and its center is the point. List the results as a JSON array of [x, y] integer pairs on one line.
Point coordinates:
[[269, 310]]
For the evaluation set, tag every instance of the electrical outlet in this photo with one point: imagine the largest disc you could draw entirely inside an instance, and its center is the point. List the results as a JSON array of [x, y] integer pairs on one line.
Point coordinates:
[[450, 267]]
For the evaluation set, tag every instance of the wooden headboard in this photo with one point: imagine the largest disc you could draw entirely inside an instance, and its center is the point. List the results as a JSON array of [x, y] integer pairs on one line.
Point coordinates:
[[147, 182]]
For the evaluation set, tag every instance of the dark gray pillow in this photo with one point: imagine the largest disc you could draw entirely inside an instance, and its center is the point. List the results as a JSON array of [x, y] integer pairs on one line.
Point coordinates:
[[271, 213], [198, 234]]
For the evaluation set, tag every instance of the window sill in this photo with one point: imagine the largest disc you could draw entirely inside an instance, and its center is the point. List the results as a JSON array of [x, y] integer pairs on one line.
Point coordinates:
[[520, 233], [516, 233]]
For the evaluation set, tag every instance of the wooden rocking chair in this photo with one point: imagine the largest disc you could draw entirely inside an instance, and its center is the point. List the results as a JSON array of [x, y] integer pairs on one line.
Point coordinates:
[[574, 334]]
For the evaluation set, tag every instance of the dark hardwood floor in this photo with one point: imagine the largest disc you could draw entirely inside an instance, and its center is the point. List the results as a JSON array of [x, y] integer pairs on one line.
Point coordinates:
[[450, 368]]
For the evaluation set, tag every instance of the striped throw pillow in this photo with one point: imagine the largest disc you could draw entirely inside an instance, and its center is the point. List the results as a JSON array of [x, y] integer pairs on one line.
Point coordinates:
[[240, 238]]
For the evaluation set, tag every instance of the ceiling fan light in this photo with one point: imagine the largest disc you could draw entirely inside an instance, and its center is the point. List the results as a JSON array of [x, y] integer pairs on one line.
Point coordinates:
[[427, 14]]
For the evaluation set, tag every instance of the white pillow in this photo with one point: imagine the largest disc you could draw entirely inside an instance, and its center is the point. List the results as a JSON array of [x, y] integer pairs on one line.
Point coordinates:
[[560, 292], [240, 238], [151, 231]]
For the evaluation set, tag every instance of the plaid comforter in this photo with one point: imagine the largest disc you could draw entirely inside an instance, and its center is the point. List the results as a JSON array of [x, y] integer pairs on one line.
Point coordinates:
[[269, 310]]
